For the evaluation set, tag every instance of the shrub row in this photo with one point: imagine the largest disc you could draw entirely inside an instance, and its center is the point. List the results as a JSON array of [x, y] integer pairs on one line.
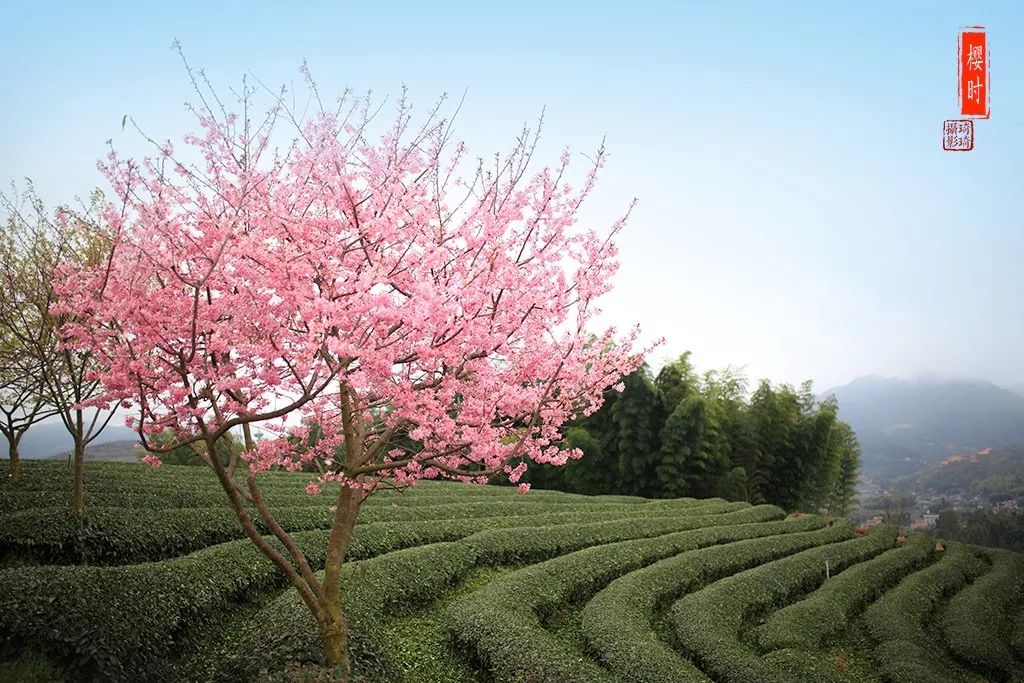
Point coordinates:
[[475, 508], [707, 623], [48, 480], [617, 622], [809, 623], [263, 648], [56, 476], [504, 619], [89, 631], [896, 621], [125, 536], [44, 484], [185, 496], [978, 620], [525, 545], [114, 535], [504, 540], [117, 623], [284, 634]]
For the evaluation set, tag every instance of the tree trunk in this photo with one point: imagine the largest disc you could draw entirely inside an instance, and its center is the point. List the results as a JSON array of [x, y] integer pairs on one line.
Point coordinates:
[[78, 502], [333, 628], [334, 632], [12, 453]]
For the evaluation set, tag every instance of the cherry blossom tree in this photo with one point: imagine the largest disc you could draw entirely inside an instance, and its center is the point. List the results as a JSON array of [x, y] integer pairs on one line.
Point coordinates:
[[40, 378], [353, 293]]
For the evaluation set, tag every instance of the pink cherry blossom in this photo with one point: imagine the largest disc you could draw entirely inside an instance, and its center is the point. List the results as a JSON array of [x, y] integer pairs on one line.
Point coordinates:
[[383, 308]]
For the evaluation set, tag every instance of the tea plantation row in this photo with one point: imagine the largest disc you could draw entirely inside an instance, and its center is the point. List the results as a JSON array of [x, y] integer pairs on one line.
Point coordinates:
[[450, 582]]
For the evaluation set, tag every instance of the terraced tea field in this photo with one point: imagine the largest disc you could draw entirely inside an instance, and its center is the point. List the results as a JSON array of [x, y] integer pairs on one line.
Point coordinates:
[[449, 582]]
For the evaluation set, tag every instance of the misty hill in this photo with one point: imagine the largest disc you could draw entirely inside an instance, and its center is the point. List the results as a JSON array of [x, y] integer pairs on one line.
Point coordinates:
[[905, 425], [990, 475], [117, 451], [50, 439]]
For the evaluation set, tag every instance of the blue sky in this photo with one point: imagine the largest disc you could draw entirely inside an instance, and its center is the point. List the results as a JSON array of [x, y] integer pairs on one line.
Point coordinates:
[[797, 213]]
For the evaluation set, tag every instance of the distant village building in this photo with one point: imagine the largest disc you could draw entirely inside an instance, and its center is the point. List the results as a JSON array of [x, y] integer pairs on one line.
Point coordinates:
[[874, 521], [930, 520], [1006, 505]]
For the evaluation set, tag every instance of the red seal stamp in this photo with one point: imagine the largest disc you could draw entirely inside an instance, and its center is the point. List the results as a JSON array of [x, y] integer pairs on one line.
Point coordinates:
[[973, 65], [958, 135]]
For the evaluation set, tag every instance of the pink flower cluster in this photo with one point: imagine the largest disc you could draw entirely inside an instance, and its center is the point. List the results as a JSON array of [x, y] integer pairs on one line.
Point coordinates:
[[360, 289]]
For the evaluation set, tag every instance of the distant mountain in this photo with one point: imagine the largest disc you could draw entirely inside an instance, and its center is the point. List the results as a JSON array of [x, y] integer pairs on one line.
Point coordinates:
[[905, 425], [49, 439], [118, 451], [1017, 388]]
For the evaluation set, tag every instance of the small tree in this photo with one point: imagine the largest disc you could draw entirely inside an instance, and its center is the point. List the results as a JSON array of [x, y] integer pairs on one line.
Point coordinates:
[[897, 508], [40, 376], [359, 285], [844, 487], [21, 400]]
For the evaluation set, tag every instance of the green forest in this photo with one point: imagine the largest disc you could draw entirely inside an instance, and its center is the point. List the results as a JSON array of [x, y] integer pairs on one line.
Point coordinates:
[[684, 433], [993, 528]]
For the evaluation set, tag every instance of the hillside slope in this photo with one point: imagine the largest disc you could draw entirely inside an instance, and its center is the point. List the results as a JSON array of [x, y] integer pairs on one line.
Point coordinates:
[[990, 475], [905, 425]]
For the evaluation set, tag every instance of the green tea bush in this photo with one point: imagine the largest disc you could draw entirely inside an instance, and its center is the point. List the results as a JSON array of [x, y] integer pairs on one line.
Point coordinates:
[[707, 623], [117, 623], [248, 657], [110, 536], [505, 617], [978, 620], [617, 622], [896, 621], [809, 623], [284, 634], [522, 545]]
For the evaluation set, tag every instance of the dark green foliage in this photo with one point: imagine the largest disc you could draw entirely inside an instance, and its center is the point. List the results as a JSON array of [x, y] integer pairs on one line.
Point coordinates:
[[456, 583], [778, 470], [906, 650], [114, 623], [694, 454], [30, 667], [110, 536], [1017, 640], [617, 622], [284, 633], [683, 434], [823, 614], [636, 416], [843, 491], [992, 528], [978, 620], [512, 546], [596, 472], [707, 623], [499, 622]]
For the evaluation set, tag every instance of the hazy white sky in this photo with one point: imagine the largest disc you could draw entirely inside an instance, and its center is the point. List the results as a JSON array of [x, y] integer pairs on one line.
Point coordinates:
[[797, 215]]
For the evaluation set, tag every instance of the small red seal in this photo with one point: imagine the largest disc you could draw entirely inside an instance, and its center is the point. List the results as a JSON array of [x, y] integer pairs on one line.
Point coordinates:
[[958, 135]]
